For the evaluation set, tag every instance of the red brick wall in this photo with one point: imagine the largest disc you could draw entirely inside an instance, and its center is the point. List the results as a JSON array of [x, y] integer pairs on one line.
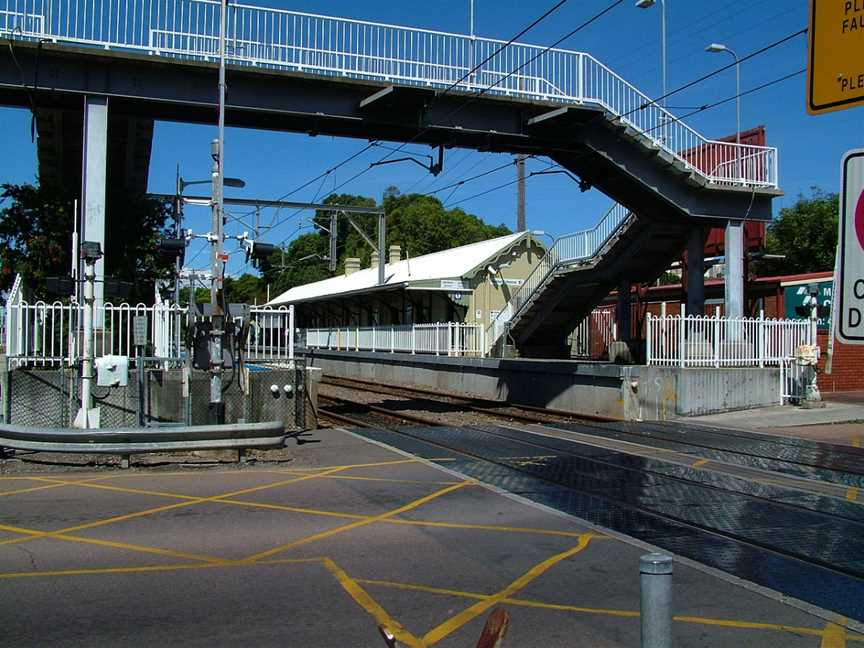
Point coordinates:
[[847, 367]]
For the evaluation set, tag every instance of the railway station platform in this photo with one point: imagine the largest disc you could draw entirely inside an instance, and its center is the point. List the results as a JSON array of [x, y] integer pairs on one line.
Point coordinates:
[[320, 550], [629, 392]]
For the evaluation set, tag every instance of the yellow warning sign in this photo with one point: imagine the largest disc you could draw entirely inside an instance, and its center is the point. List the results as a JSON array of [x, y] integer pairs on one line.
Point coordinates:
[[835, 63]]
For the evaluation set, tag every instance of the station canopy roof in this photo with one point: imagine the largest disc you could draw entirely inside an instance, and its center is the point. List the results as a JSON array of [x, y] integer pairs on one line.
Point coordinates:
[[454, 263]]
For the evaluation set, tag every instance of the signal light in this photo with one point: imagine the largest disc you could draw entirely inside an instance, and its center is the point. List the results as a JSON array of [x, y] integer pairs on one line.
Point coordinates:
[[173, 248]]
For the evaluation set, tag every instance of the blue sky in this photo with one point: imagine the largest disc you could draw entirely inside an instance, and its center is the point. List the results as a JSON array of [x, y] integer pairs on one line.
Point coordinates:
[[627, 39]]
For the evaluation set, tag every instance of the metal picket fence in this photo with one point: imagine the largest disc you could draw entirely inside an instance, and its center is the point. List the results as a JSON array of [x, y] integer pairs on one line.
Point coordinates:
[[714, 341], [447, 338]]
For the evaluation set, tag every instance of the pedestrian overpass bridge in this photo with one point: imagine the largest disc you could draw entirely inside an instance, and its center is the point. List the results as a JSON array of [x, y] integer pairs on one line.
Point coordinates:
[[156, 59]]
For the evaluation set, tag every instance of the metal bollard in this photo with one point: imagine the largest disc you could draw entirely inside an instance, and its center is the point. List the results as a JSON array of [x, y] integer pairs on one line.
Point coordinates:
[[655, 576]]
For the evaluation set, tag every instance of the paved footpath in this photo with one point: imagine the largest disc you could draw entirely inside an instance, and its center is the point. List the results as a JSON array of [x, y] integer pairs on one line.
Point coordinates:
[[319, 551]]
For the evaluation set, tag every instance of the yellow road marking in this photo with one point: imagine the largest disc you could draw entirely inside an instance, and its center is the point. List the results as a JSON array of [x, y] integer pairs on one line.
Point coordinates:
[[359, 523], [160, 509], [629, 614], [856, 442], [834, 635], [369, 604], [375, 479], [831, 629], [33, 534], [31, 489], [701, 462], [852, 494], [348, 584], [337, 514], [454, 623]]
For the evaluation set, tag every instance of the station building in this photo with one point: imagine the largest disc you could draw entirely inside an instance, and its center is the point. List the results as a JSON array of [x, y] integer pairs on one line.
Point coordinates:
[[469, 284]]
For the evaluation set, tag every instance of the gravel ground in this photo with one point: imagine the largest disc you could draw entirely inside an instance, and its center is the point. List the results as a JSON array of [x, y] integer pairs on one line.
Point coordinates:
[[444, 410]]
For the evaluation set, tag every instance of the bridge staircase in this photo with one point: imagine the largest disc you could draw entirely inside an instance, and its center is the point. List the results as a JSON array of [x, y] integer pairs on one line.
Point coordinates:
[[576, 274]]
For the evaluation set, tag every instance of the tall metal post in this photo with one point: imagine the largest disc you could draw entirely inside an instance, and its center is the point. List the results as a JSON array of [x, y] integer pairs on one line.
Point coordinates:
[[655, 580], [663, 49], [334, 233], [382, 238], [178, 231], [216, 413], [520, 193], [471, 42], [696, 270], [88, 416], [94, 169]]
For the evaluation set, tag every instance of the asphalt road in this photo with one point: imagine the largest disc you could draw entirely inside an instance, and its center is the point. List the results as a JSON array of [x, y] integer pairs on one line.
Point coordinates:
[[319, 552]]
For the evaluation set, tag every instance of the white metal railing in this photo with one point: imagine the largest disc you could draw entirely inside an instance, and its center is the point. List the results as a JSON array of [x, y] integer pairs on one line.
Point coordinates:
[[715, 341], [271, 334], [600, 325], [49, 334], [447, 338], [323, 45], [565, 250]]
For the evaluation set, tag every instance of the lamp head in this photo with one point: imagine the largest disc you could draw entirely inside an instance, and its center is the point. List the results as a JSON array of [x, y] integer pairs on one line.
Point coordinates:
[[645, 4], [716, 47]]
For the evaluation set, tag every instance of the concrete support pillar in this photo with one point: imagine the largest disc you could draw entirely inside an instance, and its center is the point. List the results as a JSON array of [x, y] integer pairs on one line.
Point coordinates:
[[94, 167], [734, 275], [624, 310], [696, 271]]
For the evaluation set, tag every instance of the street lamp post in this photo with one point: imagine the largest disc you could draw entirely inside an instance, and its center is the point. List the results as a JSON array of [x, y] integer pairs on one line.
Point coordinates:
[[216, 411], [647, 4], [715, 48]]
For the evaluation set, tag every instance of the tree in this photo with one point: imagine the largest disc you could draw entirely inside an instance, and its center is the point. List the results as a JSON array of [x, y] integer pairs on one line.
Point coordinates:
[[245, 289], [36, 224], [419, 224], [805, 233]]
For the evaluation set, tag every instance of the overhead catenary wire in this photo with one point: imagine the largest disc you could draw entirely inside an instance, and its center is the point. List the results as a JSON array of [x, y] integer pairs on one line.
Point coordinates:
[[709, 75], [522, 32]]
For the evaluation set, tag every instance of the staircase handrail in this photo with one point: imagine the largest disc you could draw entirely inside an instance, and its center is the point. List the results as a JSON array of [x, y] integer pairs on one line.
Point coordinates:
[[565, 250]]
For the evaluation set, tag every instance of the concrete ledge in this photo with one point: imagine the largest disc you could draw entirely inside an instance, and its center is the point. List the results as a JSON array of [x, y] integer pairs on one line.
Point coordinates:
[[589, 388], [620, 391]]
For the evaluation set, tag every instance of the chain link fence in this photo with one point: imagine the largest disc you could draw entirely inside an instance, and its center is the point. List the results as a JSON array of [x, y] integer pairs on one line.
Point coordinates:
[[154, 395]]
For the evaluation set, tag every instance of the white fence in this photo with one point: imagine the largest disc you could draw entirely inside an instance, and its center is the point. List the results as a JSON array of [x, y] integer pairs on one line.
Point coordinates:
[[600, 324], [322, 45], [448, 338], [715, 341], [50, 334]]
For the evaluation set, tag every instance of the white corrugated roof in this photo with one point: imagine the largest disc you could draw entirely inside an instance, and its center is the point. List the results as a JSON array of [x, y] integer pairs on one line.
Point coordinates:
[[447, 264]]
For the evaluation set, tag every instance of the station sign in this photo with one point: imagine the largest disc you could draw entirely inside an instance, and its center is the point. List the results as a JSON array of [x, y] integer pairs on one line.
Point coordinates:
[[835, 66], [794, 298], [850, 327]]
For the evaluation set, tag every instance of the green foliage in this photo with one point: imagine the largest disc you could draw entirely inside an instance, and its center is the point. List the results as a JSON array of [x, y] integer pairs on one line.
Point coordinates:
[[419, 224], [805, 233], [36, 224], [245, 289]]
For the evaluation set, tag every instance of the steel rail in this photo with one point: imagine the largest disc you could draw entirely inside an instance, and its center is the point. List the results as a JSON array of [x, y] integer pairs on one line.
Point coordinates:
[[469, 402]]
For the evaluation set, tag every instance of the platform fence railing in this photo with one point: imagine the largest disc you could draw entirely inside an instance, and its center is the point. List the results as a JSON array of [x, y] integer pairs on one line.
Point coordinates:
[[51, 333], [441, 339], [267, 37], [718, 341]]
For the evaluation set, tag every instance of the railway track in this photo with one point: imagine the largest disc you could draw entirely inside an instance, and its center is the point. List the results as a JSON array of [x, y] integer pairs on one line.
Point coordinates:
[[722, 522], [840, 465], [508, 411]]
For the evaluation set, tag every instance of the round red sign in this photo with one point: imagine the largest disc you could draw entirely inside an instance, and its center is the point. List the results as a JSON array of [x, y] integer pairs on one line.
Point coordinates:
[[859, 220]]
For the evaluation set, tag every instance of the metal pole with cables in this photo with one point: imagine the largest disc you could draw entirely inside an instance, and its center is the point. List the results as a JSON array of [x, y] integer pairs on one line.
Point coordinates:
[[216, 410]]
